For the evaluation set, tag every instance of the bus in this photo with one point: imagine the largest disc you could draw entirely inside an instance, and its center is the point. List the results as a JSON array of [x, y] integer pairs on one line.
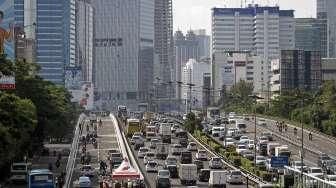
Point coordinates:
[[41, 178], [213, 113], [241, 125], [122, 111], [133, 125]]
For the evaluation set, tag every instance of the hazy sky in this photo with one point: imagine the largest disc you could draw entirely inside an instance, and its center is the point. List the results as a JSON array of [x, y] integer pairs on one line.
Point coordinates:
[[196, 14]]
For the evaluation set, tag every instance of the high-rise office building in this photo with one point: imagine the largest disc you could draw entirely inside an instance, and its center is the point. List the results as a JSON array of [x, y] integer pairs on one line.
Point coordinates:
[[307, 34], [84, 47], [262, 30], [296, 69], [52, 24], [164, 47], [186, 47], [203, 43], [327, 18], [124, 50]]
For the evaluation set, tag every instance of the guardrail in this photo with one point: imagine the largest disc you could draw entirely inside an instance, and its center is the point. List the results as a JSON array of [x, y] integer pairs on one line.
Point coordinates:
[[73, 154], [251, 177]]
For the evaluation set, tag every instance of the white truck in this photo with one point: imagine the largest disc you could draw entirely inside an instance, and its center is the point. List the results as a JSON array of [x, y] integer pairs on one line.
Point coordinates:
[[165, 132], [282, 151], [271, 148], [188, 174], [218, 179], [19, 172]]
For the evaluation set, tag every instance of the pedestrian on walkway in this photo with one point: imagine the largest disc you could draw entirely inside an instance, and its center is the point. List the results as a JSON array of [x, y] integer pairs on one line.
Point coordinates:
[[58, 164]]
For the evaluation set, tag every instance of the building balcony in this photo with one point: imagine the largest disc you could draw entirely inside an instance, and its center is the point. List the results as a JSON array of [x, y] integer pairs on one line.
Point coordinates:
[[275, 88], [275, 78]]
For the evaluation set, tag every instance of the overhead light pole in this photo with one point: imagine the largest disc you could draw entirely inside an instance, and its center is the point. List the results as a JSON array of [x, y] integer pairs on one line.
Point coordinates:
[[255, 98]]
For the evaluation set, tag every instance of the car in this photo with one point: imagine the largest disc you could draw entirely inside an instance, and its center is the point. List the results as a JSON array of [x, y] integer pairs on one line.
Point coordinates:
[[248, 155], [215, 163], [229, 142], [243, 142], [183, 142], [241, 148], [235, 177], [176, 149], [142, 151], [269, 135], [163, 183], [298, 165], [138, 134], [199, 164], [152, 166], [263, 139], [244, 137], [148, 157], [201, 155], [116, 159], [261, 122], [170, 160], [173, 171], [204, 175], [134, 139], [153, 143], [163, 174], [322, 158], [186, 157], [87, 170], [192, 146], [260, 161], [215, 131], [316, 172], [232, 120], [331, 178], [84, 182], [174, 128]]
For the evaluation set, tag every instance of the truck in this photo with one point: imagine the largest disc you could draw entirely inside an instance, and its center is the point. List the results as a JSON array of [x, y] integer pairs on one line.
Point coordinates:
[[19, 172], [282, 151], [218, 179], [188, 174], [271, 148], [165, 132], [162, 151]]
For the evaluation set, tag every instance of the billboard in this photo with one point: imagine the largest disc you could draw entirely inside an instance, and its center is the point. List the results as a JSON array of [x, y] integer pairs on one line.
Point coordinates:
[[83, 95], [7, 28], [7, 40], [73, 77]]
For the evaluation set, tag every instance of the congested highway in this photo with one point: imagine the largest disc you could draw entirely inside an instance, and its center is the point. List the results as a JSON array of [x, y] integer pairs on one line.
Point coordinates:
[[176, 182]]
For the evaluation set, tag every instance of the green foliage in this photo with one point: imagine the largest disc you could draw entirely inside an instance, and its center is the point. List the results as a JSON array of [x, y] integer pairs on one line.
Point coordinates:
[[34, 111], [192, 123]]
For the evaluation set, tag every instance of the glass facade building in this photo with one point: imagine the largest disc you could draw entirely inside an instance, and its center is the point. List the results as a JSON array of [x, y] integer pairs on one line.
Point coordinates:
[[307, 34]]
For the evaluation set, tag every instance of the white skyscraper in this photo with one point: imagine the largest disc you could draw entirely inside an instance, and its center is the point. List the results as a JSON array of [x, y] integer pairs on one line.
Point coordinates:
[[262, 30], [124, 50]]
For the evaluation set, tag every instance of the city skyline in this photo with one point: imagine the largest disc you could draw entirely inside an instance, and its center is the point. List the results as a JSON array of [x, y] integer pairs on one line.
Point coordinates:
[[199, 11]]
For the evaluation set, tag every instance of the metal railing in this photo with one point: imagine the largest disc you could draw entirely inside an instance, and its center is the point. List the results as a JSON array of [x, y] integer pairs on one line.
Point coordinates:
[[73, 153], [308, 181]]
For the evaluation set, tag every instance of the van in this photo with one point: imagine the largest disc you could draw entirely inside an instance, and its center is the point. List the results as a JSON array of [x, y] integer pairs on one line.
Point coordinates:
[[19, 172], [218, 179], [241, 126]]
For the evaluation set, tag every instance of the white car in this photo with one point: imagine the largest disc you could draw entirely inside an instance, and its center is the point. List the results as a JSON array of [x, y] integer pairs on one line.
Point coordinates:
[[229, 142], [135, 138], [170, 160], [163, 174], [261, 122], [152, 166], [298, 165], [316, 172], [148, 157], [153, 143], [241, 148], [263, 139], [202, 155], [244, 137], [243, 142], [215, 163], [261, 161], [87, 170], [192, 146], [231, 131], [235, 177], [142, 151], [84, 182], [331, 178]]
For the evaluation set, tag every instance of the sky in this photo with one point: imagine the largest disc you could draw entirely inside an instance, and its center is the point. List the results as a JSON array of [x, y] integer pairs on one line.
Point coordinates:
[[196, 14]]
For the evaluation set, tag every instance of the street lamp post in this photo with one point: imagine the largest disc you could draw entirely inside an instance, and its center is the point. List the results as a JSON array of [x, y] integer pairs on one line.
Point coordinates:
[[255, 98]]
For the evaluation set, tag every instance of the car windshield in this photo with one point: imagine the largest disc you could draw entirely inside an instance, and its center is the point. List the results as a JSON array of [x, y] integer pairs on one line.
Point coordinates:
[[202, 151], [241, 147], [241, 126], [19, 167], [164, 181], [135, 137], [152, 164], [171, 160], [164, 173], [236, 173], [216, 159], [216, 129], [316, 170], [260, 158], [115, 155], [192, 144], [86, 168], [177, 146], [297, 163], [332, 178]]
